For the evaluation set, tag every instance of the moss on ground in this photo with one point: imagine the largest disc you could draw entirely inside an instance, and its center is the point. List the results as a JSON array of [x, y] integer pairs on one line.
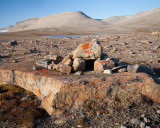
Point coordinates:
[[19, 106]]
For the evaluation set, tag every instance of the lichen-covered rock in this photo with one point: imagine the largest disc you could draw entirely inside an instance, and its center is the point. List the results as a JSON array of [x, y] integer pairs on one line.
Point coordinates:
[[88, 51], [79, 64], [59, 93], [101, 65]]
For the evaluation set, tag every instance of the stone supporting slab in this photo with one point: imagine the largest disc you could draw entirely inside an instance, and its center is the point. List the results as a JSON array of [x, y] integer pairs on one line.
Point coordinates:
[[64, 92]]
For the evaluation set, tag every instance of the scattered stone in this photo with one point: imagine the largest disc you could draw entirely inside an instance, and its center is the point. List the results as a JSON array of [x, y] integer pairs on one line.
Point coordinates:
[[88, 51], [116, 38], [158, 111], [34, 67], [50, 66], [79, 73], [44, 53], [34, 51], [146, 120], [43, 63], [146, 41], [105, 57], [142, 125], [68, 62], [122, 70], [107, 71], [156, 47], [122, 126], [56, 59], [60, 121], [16, 61], [145, 69], [114, 49], [156, 33], [125, 43], [79, 64], [119, 68], [135, 121], [132, 68], [101, 65], [64, 68], [13, 43]]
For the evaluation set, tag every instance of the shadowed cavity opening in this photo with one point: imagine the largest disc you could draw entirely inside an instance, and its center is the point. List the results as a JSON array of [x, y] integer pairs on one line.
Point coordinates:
[[89, 65]]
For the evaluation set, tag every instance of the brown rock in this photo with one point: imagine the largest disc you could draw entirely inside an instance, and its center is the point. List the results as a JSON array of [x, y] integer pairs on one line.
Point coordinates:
[[64, 68], [101, 65], [79, 64], [59, 93], [133, 68], [43, 63]]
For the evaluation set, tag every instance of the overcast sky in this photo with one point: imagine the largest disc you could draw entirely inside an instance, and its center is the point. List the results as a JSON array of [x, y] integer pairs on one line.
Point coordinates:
[[12, 11]]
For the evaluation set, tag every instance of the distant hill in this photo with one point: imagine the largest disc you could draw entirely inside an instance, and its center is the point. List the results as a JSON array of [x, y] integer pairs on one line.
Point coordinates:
[[76, 22], [141, 19], [72, 19]]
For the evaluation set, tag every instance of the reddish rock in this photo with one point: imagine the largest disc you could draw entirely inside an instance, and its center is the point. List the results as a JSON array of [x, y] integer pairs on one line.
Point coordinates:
[[79, 64], [64, 68], [101, 65], [63, 92]]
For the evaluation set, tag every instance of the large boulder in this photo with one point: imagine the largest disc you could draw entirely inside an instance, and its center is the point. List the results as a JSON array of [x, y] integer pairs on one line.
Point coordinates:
[[101, 65], [88, 51], [79, 64]]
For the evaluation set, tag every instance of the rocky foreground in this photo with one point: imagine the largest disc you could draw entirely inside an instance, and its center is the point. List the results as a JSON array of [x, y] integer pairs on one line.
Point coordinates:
[[91, 99]]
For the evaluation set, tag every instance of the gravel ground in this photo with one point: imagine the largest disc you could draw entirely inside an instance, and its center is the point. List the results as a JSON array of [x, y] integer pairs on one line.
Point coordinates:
[[138, 48]]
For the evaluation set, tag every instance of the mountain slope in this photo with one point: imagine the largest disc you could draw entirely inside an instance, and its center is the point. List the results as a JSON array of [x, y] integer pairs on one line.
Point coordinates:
[[72, 19], [145, 18]]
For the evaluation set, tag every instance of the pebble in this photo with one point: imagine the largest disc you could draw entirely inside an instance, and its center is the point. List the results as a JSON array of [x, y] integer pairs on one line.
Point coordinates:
[[60, 121], [158, 111], [107, 71], [135, 121], [146, 120], [122, 126], [79, 73], [142, 125]]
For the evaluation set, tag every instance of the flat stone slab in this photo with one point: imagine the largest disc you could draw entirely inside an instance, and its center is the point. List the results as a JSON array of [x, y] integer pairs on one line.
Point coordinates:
[[62, 92]]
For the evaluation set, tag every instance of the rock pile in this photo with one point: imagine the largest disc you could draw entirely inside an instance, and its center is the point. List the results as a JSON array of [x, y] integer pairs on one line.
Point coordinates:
[[89, 56]]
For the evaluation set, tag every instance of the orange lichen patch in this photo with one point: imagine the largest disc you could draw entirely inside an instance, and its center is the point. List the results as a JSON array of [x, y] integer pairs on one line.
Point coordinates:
[[85, 47], [97, 66], [71, 56], [104, 61], [39, 92], [100, 95], [45, 72]]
